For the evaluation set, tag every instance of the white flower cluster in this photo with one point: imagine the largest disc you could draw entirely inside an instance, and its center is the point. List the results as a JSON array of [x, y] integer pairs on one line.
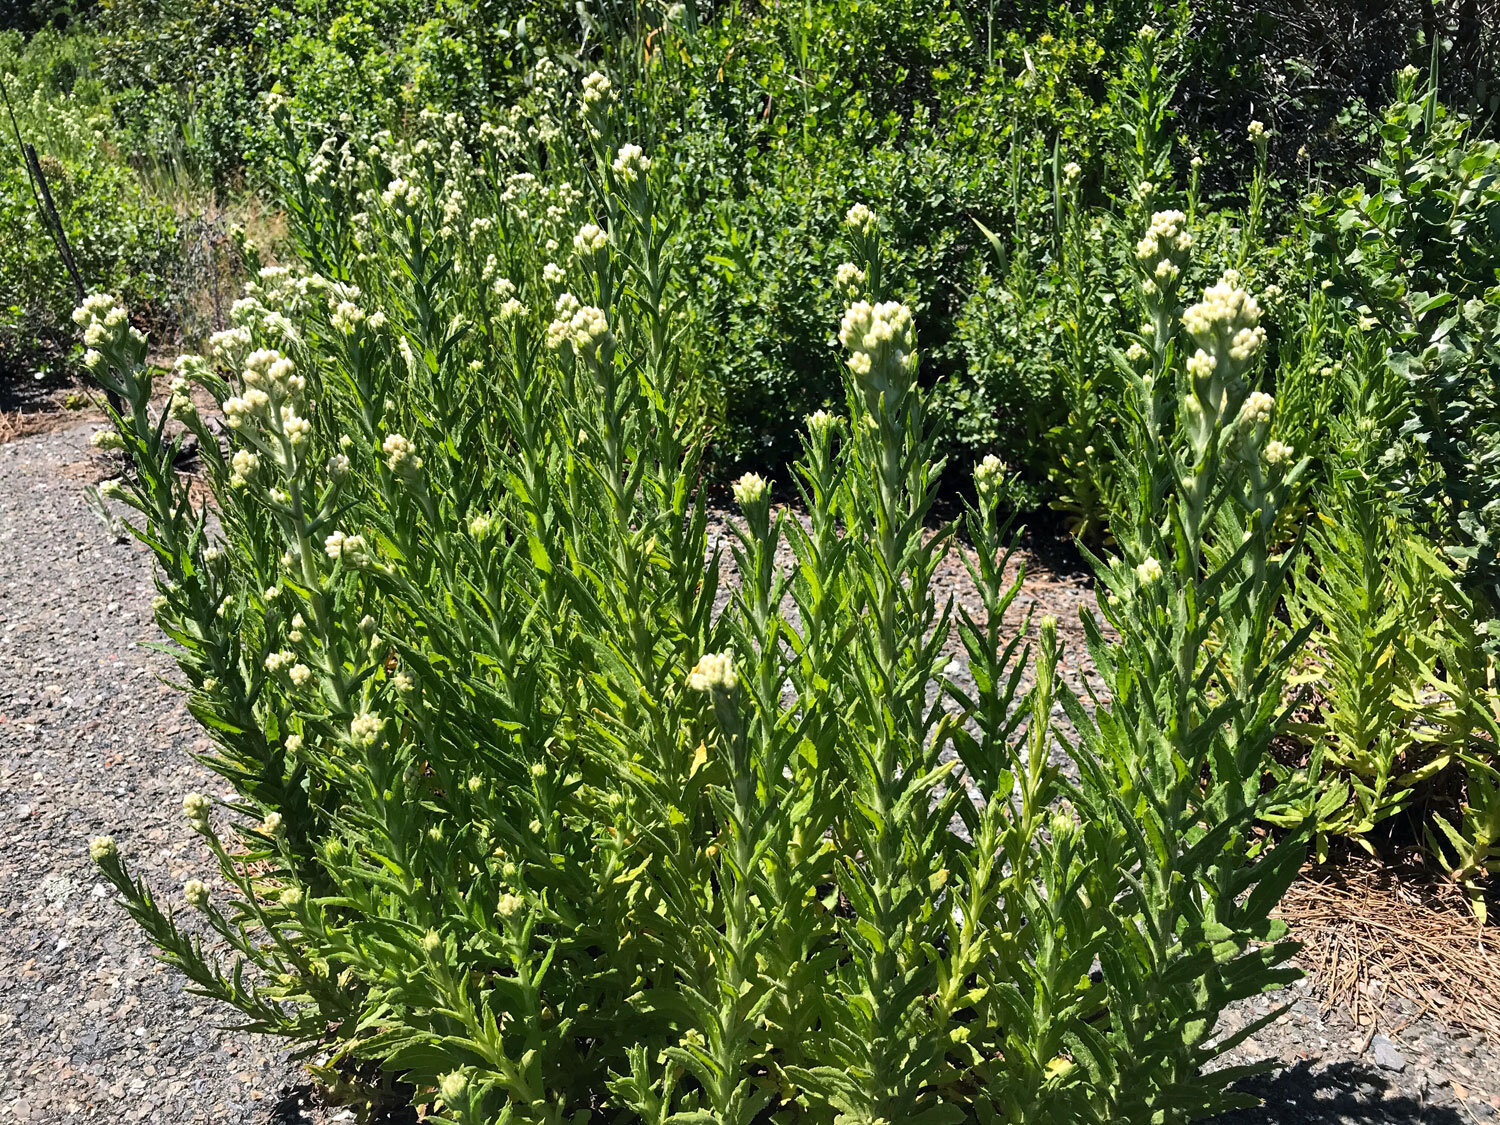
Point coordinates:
[[630, 163], [195, 806], [1256, 131], [400, 454], [106, 440], [583, 327], [849, 277], [597, 90], [1071, 171], [229, 346], [989, 474], [243, 463], [1149, 571], [820, 422], [590, 239], [714, 670], [364, 728], [1257, 409], [400, 193], [1227, 320], [276, 661], [750, 489], [1166, 238], [860, 218], [104, 322], [195, 893], [102, 848], [878, 335], [349, 548], [1278, 453]]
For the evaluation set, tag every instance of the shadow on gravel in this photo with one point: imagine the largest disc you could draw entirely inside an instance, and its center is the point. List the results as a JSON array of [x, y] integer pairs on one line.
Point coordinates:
[[1344, 1093], [294, 1106]]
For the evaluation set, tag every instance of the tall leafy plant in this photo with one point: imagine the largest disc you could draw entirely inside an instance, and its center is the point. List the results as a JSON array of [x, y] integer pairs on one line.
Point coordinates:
[[522, 818]]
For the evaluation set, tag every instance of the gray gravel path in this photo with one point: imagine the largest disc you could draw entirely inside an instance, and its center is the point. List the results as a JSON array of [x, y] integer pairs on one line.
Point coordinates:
[[91, 741], [91, 1029]]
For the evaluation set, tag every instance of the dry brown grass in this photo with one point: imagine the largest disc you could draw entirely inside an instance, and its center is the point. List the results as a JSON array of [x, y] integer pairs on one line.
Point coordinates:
[[1369, 934]]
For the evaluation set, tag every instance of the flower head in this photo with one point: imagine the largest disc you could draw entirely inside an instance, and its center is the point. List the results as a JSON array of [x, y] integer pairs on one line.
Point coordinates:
[[195, 893], [364, 728], [750, 490], [597, 89], [630, 163], [860, 219], [590, 239], [1149, 571], [714, 670], [849, 277], [1278, 453], [1226, 322], [821, 422], [102, 848], [880, 340], [195, 806], [400, 454], [988, 475]]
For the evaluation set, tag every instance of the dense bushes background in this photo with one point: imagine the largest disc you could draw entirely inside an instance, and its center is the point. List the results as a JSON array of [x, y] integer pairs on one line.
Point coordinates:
[[945, 115]]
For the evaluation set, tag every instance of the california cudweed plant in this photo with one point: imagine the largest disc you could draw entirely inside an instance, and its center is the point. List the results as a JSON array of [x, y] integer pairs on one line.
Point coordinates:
[[523, 822]]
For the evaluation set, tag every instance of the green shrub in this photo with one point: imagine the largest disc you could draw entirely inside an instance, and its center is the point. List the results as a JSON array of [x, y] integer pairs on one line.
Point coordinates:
[[522, 818], [118, 238]]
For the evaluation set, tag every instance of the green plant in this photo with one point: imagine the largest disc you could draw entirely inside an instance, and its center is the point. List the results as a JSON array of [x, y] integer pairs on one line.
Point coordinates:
[[118, 238], [1414, 254], [521, 818]]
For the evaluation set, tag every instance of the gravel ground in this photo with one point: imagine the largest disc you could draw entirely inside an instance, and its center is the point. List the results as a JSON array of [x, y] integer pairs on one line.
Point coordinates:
[[91, 741], [91, 1029]]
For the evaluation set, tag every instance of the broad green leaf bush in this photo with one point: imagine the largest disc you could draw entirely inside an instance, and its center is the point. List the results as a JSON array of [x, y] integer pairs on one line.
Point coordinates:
[[1400, 586], [1417, 252], [522, 821]]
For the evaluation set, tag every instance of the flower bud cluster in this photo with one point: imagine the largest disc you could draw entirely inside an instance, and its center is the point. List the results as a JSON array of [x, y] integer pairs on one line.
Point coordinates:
[[879, 338], [750, 490], [1163, 249], [860, 219], [714, 670], [590, 239], [104, 322], [597, 90], [364, 729], [195, 806], [583, 327], [1227, 321], [849, 277], [988, 475], [350, 548], [400, 455], [1149, 571], [630, 163], [821, 422], [1278, 453]]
